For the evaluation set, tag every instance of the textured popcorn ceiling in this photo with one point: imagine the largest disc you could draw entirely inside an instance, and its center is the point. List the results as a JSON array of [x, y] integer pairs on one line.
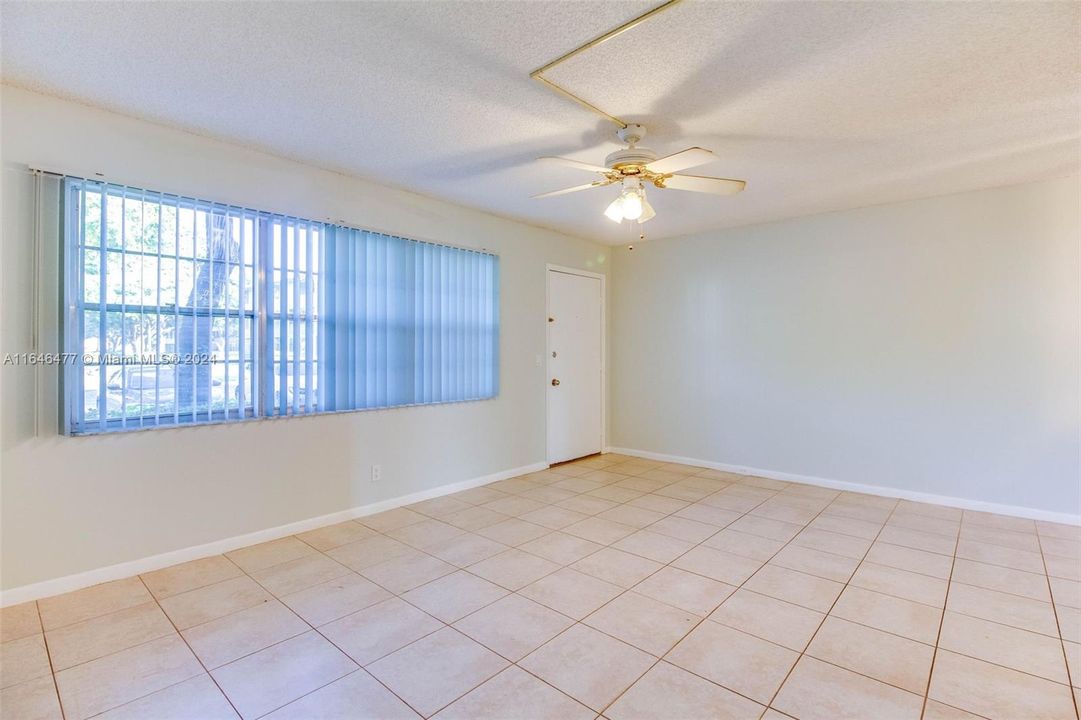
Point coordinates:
[[818, 105]]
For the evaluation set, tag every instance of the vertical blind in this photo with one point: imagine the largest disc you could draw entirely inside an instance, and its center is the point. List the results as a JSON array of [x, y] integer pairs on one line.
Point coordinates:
[[183, 311]]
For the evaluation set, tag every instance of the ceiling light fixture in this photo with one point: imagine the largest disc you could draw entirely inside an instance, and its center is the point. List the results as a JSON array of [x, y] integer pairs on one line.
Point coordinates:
[[631, 204]]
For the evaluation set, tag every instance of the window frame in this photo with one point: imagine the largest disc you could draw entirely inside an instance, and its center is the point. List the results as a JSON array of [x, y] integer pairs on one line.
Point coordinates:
[[261, 404]]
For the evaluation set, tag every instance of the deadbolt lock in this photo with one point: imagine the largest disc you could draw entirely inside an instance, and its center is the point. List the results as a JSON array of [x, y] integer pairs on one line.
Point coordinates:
[[555, 381]]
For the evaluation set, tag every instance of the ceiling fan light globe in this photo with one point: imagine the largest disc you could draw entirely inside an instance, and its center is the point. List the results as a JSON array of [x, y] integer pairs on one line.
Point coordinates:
[[648, 213], [615, 210], [632, 206]]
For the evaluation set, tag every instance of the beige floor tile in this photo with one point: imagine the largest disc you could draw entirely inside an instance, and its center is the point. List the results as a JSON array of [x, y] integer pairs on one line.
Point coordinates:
[[690, 531], [190, 576], [995, 577], [407, 571], [454, 596], [554, 518], [1069, 623], [513, 569], [105, 683], [1062, 567], [268, 554], [764, 527], [880, 655], [1073, 661], [741, 543], [996, 692], [280, 674], [570, 592], [918, 540], [793, 586], [1046, 528], [467, 549], [717, 565], [946, 528], [641, 621], [561, 548], [436, 670], [1004, 645], [474, 518], [214, 601], [1004, 608], [1066, 592], [901, 583], [636, 517], [709, 514], [667, 692], [847, 545], [935, 710], [440, 507], [224, 640], [1005, 538], [514, 506], [997, 555], [198, 698], [917, 561], [514, 693], [551, 494], [590, 666], [296, 575], [106, 634], [613, 492], [999, 522], [23, 659], [892, 614], [738, 661], [731, 501], [369, 551], [513, 532], [586, 505], [335, 599], [479, 495], [514, 626], [653, 546], [784, 512], [332, 536], [846, 526], [391, 519], [780, 622], [617, 567], [425, 534], [578, 484], [685, 590], [98, 600], [31, 700], [820, 691], [357, 696], [1062, 547], [18, 621], [599, 530], [838, 568], [379, 630]]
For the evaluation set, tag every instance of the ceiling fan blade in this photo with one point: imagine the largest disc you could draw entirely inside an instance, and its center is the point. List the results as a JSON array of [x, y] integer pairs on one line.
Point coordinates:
[[576, 188], [696, 183], [681, 161], [575, 164]]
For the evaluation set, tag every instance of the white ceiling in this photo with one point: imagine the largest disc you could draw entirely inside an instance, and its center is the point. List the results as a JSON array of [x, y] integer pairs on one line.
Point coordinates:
[[818, 105]]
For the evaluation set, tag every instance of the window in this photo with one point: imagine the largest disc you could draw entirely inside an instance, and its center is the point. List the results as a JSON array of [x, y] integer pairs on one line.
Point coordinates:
[[182, 311]]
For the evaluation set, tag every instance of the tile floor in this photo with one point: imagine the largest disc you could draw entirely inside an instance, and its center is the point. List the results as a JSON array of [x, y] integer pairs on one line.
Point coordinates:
[[611, 587]]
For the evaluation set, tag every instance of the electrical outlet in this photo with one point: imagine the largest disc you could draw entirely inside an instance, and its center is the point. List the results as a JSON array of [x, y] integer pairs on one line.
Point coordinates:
[[377, 473]]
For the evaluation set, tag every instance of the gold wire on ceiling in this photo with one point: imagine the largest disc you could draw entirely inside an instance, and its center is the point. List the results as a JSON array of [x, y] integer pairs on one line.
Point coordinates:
[[538, 74]]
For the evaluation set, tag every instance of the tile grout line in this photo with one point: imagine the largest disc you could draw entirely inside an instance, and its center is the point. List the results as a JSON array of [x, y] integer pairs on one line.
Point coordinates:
[[1058, 624], [827, 615], [49, 657], [941, 620]]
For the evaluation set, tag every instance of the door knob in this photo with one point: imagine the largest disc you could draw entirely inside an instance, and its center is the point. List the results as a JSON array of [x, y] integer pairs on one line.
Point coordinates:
[[555, 381]]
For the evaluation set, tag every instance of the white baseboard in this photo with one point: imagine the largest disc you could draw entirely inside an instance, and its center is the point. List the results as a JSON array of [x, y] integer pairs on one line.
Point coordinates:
[[963, 503], [56, 586]]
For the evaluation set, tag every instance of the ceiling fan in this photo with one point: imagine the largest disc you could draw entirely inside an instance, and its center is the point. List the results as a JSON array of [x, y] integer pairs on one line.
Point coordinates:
[[635, 167]]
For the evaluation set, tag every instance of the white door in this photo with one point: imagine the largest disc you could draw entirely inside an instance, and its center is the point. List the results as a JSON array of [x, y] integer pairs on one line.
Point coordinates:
[[575, 370]]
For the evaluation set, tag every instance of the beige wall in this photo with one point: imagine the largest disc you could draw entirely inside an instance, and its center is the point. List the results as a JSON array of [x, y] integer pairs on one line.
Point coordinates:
[[929, 346], [75, 504]]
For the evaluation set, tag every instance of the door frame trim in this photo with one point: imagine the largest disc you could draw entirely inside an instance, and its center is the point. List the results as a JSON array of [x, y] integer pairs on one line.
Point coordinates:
[[548, 269]]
